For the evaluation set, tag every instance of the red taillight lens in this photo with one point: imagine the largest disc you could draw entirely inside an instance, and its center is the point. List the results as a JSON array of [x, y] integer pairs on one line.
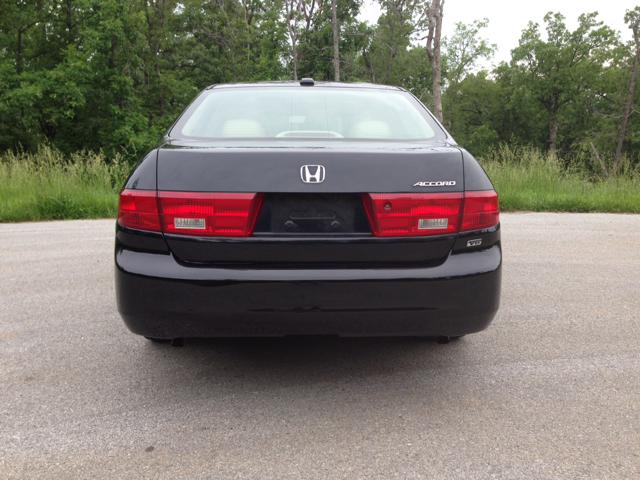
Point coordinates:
[[210, 214], [481, 210], [139, 209], [402, 214]]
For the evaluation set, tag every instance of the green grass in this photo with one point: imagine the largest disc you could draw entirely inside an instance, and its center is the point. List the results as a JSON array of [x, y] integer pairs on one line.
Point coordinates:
[[46, 185], [527, 179]]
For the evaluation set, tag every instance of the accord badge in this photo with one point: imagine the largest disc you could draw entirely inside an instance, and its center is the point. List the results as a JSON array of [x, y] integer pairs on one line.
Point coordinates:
[[446, 183]]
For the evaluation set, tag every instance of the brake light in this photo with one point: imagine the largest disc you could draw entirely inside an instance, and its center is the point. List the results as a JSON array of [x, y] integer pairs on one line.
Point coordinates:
[[402, 214], [209, 213], [407, 214], [481, 210], [138, 209]]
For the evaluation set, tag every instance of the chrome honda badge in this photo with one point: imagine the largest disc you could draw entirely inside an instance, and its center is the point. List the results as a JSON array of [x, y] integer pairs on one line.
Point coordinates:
[[312, 173]]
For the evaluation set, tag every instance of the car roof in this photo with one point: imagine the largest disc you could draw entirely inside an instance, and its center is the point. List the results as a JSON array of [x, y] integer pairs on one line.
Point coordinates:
[[291, 83]]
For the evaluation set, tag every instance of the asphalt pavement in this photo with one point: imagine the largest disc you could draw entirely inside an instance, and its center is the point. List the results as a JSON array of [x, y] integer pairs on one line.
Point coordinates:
[[550, 390]]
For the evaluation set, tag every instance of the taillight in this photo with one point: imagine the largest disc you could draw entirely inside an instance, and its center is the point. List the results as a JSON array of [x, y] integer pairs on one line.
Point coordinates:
[[209, 214], [481, 210], [408, 214], [402, 214], [138, 209]]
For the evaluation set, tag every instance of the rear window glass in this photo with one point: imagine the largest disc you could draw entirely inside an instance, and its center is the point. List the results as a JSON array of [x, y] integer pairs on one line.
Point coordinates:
[[270, 115]]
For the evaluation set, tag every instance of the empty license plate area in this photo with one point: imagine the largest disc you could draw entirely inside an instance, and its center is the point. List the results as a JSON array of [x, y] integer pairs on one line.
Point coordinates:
[[312, 214]]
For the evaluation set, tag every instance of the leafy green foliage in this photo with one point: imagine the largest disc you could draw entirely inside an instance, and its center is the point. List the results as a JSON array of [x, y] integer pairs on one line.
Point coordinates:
[[558, 72], [112, 75], [560, 93], [316, 43]]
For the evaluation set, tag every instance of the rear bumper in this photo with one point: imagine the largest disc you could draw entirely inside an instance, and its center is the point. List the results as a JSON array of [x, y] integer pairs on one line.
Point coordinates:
[[161, 298]]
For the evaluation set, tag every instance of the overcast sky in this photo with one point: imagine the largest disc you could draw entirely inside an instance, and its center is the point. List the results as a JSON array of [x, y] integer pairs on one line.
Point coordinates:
[[507, 18]]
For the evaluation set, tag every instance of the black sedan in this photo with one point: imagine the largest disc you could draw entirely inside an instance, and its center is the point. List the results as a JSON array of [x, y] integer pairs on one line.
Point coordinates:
[[307, 208]]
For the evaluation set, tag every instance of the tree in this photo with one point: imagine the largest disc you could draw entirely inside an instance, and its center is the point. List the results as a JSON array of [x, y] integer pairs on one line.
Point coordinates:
[[317, 46], [390, 40], [462, 52], [433, 21], [293, 15], [336, 41], [633, 19], [232, 40], [464, 48], [114, 74], [299, 13], [558, 71]]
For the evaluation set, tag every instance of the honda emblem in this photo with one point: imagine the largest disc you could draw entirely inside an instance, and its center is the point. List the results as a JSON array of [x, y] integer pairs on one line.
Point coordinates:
[[312, 173]]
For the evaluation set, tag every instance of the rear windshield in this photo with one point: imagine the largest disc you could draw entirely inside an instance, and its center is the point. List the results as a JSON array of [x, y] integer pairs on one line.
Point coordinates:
[[309, 115]]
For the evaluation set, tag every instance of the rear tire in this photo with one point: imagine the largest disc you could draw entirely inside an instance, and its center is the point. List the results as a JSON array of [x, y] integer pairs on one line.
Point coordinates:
[[442, 340], [159, 340]]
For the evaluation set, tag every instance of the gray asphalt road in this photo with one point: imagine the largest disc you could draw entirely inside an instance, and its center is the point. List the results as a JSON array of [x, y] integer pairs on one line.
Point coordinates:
[[550, 390]]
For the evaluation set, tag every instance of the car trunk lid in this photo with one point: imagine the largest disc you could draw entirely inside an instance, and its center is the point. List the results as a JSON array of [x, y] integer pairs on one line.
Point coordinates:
[[321, 223]]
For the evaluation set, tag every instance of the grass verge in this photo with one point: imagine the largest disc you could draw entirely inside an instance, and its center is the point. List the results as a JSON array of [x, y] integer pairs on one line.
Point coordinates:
[[46, 185], [527, 179]]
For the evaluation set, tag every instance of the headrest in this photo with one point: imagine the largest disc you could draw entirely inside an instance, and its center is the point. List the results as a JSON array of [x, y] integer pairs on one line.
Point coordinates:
[[243, 128], [370, 129]]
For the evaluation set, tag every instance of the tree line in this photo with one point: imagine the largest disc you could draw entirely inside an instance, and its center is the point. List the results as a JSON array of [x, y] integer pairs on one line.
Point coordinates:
[[113, 74]]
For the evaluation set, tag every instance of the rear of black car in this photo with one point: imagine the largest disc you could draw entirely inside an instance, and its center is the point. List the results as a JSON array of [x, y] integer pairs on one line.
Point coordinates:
[[239, 225]]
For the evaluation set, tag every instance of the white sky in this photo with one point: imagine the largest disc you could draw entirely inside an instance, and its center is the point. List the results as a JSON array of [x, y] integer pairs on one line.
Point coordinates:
[[507, 18]]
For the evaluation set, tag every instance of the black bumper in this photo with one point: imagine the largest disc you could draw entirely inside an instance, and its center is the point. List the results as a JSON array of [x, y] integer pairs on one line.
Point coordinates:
[[161, 298]]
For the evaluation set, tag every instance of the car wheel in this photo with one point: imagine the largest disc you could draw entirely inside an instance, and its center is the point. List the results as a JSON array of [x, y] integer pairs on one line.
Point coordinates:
[[159, 340], [444, 340]]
